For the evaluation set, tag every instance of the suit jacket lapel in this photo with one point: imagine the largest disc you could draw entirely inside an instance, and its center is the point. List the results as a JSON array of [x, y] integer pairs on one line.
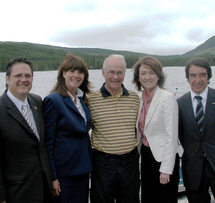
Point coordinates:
[[68, 102], [71, 104], [15, 113], [140, 108], [154, 103], [210, 108], [86, 110], [35, 113], [188, 107]]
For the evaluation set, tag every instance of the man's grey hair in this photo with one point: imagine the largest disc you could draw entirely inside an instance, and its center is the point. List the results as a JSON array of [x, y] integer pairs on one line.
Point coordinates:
[[116, 56]]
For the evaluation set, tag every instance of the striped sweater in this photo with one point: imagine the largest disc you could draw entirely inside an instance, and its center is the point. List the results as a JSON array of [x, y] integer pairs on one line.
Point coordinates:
[[113, 121]]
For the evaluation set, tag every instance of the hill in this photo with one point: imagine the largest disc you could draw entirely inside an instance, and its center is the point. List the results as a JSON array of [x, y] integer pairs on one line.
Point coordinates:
[[207, 48], [43, 58], [47, 57]]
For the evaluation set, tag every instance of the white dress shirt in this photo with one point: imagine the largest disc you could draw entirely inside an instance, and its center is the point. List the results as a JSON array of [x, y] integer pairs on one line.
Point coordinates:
[[203, 94], [79, 93], [18, 104]]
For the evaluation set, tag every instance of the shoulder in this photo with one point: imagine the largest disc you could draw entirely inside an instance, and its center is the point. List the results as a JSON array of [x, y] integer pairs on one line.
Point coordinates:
[[35, 97], [163, 94], [169, 97], [133, 94], [3, 96], [3, 100], [167, 100], [183, 98], [166, 93], [211, 90], [94, 95], [53, 99], [131, 98], [53, 96]]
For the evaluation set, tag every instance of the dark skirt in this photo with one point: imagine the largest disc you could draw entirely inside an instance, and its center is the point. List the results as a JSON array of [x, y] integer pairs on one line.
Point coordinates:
[[74, 189]]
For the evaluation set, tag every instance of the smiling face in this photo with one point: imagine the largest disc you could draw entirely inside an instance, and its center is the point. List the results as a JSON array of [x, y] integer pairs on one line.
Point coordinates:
[[114, 74], [19, 82], [198, 78], [73, 79], [148, 78]]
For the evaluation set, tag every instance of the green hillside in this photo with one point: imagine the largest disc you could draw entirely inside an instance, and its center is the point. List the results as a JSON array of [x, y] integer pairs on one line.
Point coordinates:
[[46, 57], [43, 58], [207, 48]]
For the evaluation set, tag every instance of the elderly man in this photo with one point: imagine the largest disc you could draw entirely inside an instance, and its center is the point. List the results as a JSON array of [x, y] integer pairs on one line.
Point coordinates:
[[25, 175], [114, 111], [197, 132]]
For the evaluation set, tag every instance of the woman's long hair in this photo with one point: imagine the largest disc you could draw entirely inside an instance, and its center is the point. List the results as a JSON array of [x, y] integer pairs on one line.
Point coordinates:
[[75, 63]]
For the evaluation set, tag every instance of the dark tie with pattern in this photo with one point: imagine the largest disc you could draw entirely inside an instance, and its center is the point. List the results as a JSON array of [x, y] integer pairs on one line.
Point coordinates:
[[199, 113]]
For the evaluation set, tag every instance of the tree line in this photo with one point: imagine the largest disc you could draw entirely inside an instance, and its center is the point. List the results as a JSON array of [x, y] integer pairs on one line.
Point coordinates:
[[46, 58]]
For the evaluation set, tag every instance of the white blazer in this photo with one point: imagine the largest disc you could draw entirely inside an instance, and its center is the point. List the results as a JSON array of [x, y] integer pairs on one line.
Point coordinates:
[[161, 129]]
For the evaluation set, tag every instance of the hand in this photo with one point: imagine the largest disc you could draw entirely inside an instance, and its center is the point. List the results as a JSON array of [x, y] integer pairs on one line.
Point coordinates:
[[164, 178], [56, 187], [3, 202]]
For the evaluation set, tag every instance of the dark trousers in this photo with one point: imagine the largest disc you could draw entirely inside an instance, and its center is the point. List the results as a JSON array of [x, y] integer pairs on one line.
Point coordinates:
[[208, 180], [151, 189], [48, 195], [74, 189], [115, 178]]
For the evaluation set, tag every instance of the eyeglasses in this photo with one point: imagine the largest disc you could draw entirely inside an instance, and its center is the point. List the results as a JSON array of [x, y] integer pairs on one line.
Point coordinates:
[[20, 76], [111, 73]]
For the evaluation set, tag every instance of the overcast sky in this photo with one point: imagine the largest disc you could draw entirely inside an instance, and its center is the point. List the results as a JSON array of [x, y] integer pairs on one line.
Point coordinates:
[[162, 27]]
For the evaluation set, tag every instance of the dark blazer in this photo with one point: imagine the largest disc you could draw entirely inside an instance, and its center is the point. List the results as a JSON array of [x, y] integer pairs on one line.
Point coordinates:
[[22, 156], [194, 143], [67, 138]]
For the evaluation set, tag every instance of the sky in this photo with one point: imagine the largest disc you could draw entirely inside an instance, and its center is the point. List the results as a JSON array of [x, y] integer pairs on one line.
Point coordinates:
[[158, 27]]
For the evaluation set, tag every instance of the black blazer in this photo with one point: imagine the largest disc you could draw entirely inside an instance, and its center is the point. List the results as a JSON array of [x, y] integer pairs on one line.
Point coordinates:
[[195, 144], [22, 156]]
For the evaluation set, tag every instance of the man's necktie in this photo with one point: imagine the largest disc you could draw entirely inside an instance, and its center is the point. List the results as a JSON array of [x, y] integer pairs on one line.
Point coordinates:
[[24, 111], [199, 113]]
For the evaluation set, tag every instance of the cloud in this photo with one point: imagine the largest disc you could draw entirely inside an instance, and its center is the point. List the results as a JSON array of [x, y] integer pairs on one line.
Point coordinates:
[[195, 34], [155, 27], [78, 7], [140, 34]]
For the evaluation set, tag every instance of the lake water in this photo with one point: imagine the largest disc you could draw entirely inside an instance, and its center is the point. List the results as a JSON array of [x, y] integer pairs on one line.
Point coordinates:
[[45, 80]]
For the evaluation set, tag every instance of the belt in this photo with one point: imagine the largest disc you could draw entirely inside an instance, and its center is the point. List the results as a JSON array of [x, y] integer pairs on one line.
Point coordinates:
[[95, 151]]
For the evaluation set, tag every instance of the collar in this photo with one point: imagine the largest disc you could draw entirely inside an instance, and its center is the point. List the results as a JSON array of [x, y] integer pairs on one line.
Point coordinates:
[[203, 94], [105, 93], [144, 93], [79, 93], [15, 100]]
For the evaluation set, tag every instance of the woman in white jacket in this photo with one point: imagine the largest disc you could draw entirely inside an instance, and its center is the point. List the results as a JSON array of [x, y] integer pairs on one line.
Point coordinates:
[[157, 132]]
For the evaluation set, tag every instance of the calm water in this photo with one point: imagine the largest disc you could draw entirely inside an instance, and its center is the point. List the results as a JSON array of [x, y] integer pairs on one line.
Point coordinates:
[[45, 80]]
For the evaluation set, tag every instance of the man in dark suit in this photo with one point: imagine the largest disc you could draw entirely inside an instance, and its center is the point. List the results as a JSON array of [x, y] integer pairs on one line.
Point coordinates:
[[25, 175], [197, 132]]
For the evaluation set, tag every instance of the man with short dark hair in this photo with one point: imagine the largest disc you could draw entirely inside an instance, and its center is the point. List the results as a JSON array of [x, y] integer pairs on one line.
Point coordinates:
[[25, 175], [197, 132]]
